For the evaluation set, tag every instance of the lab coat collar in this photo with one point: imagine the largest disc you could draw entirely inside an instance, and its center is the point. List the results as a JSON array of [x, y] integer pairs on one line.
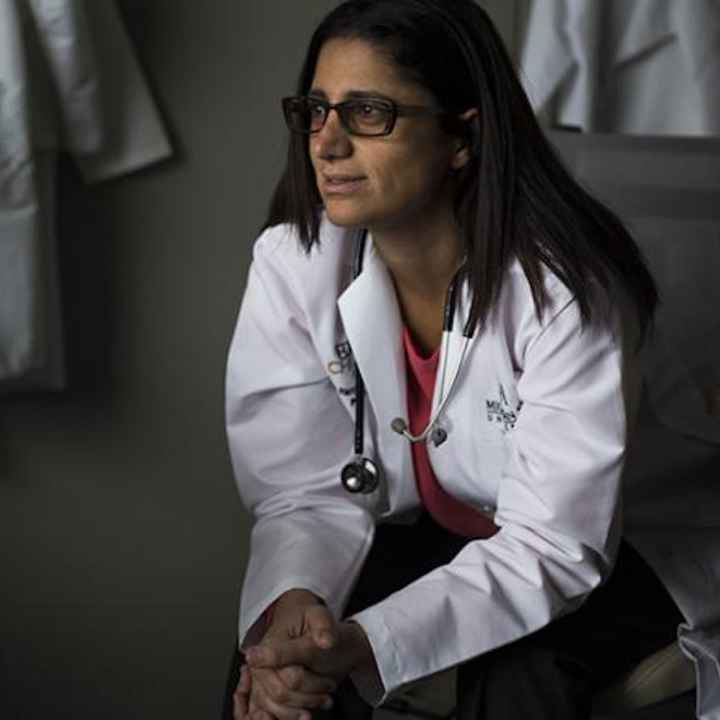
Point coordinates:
[[372, 322], [373, 325]]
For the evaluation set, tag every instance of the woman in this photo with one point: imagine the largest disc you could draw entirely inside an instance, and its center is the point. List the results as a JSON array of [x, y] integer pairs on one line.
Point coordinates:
[[429, 391]]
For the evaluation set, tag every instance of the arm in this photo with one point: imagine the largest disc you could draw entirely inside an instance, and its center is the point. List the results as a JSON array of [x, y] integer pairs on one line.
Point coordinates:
[[558, 507], [289, 437]]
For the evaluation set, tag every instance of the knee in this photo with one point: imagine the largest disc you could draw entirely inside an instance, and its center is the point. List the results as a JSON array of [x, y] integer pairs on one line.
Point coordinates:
[[521, 679]]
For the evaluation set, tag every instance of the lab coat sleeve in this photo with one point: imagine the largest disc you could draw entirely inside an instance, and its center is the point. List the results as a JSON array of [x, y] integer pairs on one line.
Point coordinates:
[[558, 509], [289, 437], [65, 37], [133, 130], [18, 205], [109, 121]]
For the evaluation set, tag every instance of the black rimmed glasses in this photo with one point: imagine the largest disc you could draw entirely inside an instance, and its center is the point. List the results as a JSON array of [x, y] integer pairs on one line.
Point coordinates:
[[367, 117]]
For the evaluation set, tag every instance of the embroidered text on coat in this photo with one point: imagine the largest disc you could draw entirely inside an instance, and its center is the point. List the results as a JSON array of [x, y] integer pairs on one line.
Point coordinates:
[[500, 411]]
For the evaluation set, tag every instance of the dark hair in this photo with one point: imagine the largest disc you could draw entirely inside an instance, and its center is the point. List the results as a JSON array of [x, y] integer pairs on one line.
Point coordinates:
[[515, 198]]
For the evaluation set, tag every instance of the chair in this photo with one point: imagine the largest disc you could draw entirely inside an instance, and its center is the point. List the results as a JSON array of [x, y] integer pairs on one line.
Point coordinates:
[[621, 170], [665, 674]]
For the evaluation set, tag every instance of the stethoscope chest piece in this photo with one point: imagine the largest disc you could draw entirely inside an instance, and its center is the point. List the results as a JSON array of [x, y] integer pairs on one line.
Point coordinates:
[[361, 476], [439, 436]]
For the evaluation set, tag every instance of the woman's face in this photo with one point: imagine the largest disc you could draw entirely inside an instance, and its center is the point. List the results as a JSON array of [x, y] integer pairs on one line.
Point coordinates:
[[392, 181]]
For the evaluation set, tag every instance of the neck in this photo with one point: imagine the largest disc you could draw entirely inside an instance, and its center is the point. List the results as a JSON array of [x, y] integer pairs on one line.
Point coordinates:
[[422, 259]]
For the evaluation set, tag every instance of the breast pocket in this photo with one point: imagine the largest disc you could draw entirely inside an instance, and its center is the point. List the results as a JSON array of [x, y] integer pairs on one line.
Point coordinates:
[[489, 435], [470, 463]]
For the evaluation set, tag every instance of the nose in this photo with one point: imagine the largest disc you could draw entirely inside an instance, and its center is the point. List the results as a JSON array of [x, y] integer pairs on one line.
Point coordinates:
[[333, 140]]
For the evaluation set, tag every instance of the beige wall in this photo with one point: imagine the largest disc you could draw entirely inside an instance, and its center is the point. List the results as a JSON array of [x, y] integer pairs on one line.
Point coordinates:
[[122, 542]]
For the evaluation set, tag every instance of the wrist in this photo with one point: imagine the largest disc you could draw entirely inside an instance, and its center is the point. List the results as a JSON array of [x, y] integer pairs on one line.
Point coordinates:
[[363, 655], [284, 618], [294, 598]]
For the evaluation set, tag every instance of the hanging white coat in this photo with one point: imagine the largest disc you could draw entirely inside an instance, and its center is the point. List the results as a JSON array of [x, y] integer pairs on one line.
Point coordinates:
[[537, 430], [61, 64]]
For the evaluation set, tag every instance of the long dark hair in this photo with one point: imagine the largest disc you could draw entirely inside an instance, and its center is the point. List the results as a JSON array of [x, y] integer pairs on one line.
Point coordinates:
[[515, 198]]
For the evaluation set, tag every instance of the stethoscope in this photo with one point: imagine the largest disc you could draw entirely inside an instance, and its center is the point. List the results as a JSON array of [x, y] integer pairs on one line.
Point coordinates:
[[362, 475]]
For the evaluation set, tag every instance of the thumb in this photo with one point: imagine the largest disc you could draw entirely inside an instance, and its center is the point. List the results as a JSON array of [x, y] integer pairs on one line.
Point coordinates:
[[321, 626], [278, 654]]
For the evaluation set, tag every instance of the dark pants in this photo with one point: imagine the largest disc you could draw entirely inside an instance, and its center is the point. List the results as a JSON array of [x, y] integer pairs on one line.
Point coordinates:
[[552, 673]]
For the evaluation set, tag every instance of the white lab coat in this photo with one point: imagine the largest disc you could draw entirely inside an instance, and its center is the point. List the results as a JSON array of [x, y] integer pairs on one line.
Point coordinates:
[[537, 434], [625, 66], [69, 81]]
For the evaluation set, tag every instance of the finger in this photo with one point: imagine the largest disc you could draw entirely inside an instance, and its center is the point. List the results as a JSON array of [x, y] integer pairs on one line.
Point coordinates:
[[262, 715], [301, 679], [240, 706], [267, 710], [244, 682], [274, 711], [274, 654], [322, 626], [279, 692], [273, 695]]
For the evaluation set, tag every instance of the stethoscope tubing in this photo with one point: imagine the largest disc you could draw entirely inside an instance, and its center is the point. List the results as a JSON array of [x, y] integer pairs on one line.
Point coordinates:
[[362, 475]]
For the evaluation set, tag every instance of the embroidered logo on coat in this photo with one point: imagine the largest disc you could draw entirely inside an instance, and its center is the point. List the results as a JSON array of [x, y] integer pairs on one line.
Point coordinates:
[[344, 361], [350, 392], [501, 413]]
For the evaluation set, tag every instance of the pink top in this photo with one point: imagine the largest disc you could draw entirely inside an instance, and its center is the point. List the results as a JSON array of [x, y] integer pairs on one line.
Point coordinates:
[[446, 510]]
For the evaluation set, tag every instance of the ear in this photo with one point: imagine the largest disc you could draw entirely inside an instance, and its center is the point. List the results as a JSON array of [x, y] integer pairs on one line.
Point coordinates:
[[467, 143]]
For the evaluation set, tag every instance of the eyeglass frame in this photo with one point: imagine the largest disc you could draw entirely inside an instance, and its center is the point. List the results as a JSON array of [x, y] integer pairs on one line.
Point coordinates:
[[396, 110]]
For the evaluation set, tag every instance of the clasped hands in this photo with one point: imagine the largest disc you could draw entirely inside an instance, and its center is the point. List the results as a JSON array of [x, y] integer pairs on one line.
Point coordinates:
[[302, 659]]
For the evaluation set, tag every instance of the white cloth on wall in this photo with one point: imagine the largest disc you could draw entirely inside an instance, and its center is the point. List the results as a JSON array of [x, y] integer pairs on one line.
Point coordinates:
[[625, 66], [69, 81]]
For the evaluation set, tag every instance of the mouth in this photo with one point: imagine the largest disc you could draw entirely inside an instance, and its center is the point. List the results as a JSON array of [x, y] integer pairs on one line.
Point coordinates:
[[341, 184]]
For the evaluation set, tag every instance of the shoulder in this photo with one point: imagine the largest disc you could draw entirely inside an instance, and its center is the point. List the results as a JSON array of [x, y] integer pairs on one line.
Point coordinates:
[[516, 304], [279, 248], [311, 282], [517, 320]]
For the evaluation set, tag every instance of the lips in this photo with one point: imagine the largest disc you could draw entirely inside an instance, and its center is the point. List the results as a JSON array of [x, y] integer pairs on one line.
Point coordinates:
[[342, 184]]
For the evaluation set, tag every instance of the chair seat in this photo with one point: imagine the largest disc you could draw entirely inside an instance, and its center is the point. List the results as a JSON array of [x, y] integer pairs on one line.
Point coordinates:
[[660, 676], [663, 675]]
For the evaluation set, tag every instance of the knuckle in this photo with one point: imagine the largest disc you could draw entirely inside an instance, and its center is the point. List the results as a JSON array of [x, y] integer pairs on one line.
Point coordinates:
[[331, 686], [296, 678], [320, 612], [280, 695]]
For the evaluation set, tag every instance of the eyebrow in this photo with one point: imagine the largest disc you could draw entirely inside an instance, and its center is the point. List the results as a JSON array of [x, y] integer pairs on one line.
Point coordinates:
[[352, 94]]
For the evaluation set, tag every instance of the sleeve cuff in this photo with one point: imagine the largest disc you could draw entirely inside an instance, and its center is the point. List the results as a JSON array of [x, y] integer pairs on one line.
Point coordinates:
[[371, 690]]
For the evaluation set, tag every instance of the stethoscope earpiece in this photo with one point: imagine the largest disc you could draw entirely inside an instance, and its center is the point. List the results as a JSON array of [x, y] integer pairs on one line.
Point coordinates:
[[361, 476], [399, 426]]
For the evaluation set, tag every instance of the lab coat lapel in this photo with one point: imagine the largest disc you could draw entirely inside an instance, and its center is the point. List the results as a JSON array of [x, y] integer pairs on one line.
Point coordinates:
[[373, 325]]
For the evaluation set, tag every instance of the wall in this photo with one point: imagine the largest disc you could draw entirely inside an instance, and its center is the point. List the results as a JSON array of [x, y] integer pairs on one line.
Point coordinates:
[[122, 542]]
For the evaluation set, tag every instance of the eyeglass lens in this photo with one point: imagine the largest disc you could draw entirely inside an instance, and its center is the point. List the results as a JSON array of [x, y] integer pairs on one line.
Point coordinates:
[[360, 117]]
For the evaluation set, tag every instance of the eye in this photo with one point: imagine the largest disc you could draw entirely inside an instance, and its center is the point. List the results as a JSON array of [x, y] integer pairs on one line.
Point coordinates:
[[369, 114], [316, 108], [368, 110]]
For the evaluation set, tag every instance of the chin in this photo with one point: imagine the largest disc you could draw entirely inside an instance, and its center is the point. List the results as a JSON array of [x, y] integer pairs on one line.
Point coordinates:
[[346, 216]]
